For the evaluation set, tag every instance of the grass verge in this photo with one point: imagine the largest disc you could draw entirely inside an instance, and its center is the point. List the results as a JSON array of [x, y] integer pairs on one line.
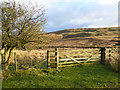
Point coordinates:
[[85, 76]]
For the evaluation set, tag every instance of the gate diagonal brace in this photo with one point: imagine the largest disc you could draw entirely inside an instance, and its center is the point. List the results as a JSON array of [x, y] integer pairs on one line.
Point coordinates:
[[90, 59], [72, 58]]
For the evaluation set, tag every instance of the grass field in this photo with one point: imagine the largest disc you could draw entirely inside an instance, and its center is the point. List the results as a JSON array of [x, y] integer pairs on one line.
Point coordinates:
[[85, 76]]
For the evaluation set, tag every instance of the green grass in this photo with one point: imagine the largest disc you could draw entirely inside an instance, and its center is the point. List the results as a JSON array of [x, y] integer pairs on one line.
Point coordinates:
[[84, 76]]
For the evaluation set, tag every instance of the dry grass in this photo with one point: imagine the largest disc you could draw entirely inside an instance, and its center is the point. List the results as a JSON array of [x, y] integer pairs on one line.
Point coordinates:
[[100, 41], [36, 55], [32, 55], [27, 59], [114, 59]]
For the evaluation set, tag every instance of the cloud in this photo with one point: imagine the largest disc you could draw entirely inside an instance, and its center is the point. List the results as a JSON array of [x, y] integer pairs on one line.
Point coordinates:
[[79, 13], [108, 2], [74, 15]]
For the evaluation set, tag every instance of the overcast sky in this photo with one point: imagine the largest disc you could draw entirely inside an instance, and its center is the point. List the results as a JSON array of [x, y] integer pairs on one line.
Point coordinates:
[[66, 14]]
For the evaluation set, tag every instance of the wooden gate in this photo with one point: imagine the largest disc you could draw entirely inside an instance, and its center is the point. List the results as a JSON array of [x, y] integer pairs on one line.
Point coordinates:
[[54, 61]]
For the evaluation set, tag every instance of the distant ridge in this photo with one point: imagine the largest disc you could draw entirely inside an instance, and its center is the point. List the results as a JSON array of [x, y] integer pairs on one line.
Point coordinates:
[[82, 29]]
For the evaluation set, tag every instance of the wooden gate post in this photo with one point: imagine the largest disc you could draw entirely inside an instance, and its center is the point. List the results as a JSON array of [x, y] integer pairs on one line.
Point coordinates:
[[56, 58], [15, 58], [48, 59], [103, 55], [109, 54]]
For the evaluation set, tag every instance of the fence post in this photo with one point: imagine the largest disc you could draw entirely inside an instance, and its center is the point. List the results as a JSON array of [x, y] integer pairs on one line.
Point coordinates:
[[48, 59], [103, 55], [109, 54], [15, 58], [56, 58]]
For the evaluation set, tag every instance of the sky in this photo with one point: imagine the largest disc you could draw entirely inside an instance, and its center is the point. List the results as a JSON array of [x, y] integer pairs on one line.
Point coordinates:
[[70, 14]]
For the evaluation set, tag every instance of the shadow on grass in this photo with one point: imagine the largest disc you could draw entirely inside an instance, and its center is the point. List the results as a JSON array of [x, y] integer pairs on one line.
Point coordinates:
[[78, 35], [112, 29], [89, 30]]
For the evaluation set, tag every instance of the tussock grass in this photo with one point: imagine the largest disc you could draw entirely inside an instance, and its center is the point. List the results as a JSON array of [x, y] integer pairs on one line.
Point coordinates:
[[31, 55], [27, 59]]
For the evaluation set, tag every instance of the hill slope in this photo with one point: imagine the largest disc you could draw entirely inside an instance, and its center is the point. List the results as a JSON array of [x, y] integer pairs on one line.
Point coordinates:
[[87, 37]]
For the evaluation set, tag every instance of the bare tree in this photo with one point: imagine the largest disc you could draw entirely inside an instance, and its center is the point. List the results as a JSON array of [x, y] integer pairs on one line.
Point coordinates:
[[20, 24]]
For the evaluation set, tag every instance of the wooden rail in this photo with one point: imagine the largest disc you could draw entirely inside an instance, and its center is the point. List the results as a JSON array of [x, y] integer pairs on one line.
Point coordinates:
[[70, 59]]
